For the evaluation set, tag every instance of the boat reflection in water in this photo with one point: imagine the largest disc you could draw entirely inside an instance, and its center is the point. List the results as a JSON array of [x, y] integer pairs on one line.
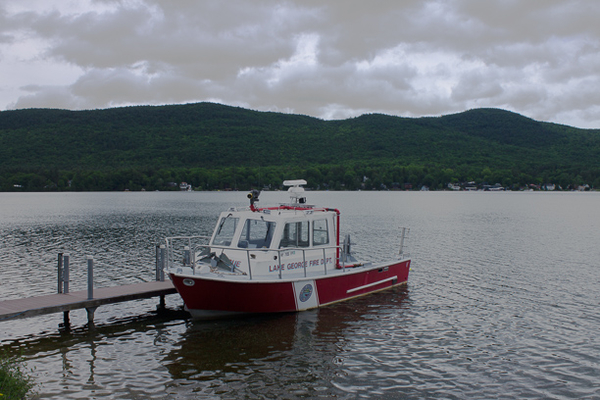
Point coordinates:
[[274, 355]]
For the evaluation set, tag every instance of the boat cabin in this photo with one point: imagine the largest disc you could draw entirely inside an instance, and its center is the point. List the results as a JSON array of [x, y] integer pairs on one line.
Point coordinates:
[[275, 241]]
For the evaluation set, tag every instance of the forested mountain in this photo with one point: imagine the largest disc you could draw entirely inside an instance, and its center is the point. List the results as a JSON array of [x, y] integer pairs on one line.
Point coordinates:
[[213, 146]]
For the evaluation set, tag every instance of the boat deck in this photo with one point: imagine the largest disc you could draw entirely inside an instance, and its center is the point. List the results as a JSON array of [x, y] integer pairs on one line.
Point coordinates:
[[286, 275]]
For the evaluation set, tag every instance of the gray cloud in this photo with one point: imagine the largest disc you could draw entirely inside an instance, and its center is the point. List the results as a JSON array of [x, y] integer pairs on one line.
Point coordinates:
[[332, 59]]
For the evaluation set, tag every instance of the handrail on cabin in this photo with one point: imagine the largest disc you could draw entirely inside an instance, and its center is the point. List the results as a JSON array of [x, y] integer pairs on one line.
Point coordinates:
[[189, 253]]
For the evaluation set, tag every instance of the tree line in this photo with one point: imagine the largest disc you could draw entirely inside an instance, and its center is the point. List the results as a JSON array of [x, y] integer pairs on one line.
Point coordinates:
[[217, 147], [361, 176]]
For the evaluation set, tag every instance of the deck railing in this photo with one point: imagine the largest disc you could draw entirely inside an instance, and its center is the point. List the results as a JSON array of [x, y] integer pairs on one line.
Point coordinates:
[[184, 249], [404, 232]]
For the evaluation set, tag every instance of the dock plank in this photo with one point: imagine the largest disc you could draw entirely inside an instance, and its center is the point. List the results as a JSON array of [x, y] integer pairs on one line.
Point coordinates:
[[54, 303]]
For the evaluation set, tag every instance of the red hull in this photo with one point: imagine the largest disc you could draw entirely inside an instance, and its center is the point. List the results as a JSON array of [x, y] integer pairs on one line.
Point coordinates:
[[257, 296]]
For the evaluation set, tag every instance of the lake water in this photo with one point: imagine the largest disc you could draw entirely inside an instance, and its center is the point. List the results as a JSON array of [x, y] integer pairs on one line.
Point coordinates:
[[502, 301]]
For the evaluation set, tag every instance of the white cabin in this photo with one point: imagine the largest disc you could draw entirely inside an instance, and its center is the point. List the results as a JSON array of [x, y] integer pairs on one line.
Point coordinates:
[[280, 242]]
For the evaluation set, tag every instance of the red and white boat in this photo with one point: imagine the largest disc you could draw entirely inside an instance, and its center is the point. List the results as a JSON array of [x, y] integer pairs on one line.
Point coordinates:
[[275, 259]]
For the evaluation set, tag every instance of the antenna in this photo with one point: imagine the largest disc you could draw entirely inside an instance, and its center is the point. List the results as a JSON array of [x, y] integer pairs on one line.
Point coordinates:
[[296, 190]]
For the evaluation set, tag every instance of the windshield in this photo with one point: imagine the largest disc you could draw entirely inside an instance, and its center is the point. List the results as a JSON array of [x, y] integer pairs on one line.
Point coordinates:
[[225, 231], [256, 234]]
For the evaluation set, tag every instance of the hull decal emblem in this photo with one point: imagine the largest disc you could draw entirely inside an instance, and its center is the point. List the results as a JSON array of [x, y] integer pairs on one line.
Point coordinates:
[[306, 292]]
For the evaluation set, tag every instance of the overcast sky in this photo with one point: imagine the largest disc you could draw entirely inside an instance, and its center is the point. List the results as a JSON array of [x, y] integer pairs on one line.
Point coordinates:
[[328, 59]]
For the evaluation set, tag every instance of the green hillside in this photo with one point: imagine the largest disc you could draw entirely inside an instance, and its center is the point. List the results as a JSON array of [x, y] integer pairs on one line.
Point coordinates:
[[214, 146]]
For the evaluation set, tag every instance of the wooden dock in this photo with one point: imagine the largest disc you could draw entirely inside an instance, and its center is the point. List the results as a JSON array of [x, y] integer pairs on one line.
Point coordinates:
[[55, 303]]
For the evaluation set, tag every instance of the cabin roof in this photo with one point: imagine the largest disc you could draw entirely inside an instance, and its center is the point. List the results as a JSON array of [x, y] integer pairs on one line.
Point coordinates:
[[280, 212]]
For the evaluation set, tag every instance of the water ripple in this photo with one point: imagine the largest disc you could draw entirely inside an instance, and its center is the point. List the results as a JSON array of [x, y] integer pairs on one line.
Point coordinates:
[[502, 302]]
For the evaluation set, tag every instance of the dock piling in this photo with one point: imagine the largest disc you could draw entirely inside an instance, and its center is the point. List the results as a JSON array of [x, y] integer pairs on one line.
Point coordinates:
[[66, 325], [63, 284], [160, 268], [60, 273], [162, 305], [65, 273], [158, 262], [90, 271], [90, 316]]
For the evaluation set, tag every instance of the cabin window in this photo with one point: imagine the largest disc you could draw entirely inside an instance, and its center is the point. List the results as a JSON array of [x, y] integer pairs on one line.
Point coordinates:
[[225, 231], [295, 234], [320, 232], [256, 234]]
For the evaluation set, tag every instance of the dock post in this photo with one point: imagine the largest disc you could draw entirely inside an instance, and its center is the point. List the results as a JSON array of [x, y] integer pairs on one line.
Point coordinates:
[[66, 257], [90, 290], [60, 273], [157, 263], [90, 272], [65, 288], [66, 322], [90, 315], [162, 305], [163, 263]]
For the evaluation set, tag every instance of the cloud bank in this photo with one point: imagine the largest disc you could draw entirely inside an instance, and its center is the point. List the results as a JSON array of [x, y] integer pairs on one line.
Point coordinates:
[[332, 60]]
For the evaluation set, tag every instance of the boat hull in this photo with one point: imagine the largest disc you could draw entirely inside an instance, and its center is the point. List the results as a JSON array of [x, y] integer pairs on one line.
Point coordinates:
[[210, 298]]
